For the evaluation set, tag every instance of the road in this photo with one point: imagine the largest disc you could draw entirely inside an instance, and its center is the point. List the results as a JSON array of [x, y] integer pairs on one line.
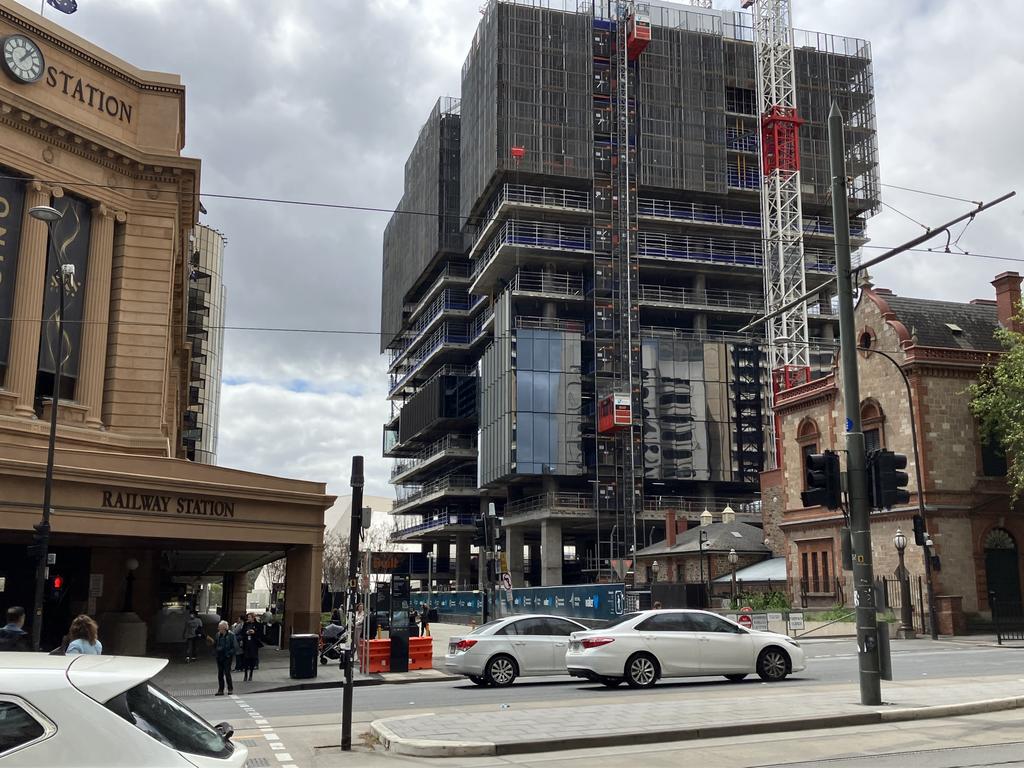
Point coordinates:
[[829, 662]]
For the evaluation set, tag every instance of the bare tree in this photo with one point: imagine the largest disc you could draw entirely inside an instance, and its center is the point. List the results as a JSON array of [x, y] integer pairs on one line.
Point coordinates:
[[275, 572], [335, 564], [378, 537]]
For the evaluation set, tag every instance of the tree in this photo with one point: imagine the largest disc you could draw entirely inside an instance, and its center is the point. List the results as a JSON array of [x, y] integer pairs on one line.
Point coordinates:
[[997, 401], [335, 563], [275, 572]]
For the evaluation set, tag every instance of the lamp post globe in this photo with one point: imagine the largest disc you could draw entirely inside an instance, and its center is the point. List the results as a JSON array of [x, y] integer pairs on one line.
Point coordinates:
[[899, 540], [655, 566], [733, 559], [906, 629]]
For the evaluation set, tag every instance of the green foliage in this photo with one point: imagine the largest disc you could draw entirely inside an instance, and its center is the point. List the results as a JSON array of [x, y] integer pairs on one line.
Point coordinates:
[[997, 402], [835, 613], [762, 601]]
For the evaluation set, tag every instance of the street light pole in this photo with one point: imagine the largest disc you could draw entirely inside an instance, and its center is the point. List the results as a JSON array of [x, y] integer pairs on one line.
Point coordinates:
[[49, 216], [906, 618], [733, 559], [430, 578], [702, 538]]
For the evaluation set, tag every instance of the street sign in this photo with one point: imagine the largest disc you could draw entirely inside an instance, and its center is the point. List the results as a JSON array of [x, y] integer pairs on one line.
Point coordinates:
[[506, 581], [774, 617], [761, 621], [796, 621], [745, 621], [51, 558]]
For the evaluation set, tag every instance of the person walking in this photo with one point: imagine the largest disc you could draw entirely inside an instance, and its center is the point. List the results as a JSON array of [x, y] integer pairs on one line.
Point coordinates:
[[84, 637], [424, 620], [236, 629], [13, 636], [251, 637], [193, 634], [225, 648]]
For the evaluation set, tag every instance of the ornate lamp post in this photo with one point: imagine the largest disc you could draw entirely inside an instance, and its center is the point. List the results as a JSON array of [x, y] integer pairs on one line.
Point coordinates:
[[906, 617], [430, 578], [733, 559], [702, 540], [655, 566]]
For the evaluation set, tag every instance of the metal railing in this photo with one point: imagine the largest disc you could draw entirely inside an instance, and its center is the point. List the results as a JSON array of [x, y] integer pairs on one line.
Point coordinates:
[[438, 447], [745, 509], [528, 195], [548, 324], [705, 213], [438, 521], [446, 335], [582, 502], [480, 323], [410, 493], [744, 300], [740, 140], [449, 300], [558, 283], [536, 234]]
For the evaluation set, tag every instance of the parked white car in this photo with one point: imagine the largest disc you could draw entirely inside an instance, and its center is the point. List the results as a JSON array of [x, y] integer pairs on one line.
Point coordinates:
[[101, 712], [642, 647], [498, 652]]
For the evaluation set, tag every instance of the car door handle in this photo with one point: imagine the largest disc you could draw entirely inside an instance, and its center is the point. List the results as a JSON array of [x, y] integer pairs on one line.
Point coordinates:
[[559, 645], [519, 642]]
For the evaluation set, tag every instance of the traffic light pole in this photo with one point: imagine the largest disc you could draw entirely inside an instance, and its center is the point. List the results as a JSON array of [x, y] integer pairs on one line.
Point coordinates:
[[352, 599], [857, 490]]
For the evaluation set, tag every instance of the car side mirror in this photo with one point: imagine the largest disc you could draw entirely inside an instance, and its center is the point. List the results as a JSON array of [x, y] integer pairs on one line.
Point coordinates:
[[225, 730]]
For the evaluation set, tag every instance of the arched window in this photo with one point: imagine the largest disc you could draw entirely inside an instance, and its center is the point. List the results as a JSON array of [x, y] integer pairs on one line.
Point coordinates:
[[873, 422], [1000, 538], [809, 438]]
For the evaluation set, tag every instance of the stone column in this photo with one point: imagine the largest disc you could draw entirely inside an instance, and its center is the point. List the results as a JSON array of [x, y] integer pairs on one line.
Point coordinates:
[[303, 572], [96, 314], [700, 319], [514, 551], [550, 553], [23, 363], [534, 565], [235, 585], [462, 560], [443, 565]]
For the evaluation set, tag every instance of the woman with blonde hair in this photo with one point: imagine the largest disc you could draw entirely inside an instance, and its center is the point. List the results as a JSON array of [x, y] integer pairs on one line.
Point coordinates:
[[84, 637]]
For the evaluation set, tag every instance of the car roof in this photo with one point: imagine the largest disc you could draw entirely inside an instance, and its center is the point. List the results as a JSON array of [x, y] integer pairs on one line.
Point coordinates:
[[540, 616], [98, 677]]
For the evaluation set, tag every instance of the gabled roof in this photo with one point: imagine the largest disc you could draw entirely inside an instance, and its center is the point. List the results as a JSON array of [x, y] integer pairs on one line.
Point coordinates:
[[721, 538]]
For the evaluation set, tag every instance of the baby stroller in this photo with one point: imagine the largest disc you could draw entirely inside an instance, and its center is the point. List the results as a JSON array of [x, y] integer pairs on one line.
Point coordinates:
[[332, 649]]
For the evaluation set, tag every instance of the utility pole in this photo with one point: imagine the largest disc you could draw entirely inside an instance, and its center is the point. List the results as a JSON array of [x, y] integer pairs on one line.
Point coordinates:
[[857, 489], [352, 598]]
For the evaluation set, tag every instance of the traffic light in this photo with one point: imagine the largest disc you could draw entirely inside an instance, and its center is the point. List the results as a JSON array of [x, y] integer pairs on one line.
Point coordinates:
[[920, 537], [824, 486], [40, 535], [886, 481], [57, 587]]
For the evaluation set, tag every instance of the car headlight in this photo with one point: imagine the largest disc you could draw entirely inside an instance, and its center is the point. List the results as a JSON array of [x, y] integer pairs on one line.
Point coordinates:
[[793, 642]]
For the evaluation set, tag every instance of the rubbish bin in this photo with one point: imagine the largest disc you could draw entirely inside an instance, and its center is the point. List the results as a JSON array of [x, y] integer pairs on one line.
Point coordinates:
[[302, 653]]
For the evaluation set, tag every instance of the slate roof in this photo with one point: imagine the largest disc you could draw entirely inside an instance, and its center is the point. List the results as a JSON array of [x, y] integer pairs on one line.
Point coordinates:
[[722, 537], [773, 569], [928, 318]]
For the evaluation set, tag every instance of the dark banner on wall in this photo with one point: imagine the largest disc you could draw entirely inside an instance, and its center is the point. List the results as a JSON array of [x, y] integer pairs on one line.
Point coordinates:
[[70, 240], [12, 201]]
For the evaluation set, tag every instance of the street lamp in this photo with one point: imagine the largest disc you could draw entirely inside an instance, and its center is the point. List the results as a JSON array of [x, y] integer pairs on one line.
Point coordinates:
[[733, 559], [906, 618], [654, 570], [702, 539], [64, 274], [430, 578]]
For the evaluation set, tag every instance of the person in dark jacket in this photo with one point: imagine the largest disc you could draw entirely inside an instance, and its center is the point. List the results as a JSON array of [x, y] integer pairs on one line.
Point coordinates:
[[13, 637], [250, 637], [225, 648]]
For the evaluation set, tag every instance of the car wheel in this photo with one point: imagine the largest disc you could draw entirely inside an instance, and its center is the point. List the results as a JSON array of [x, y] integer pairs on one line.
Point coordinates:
[[477, 680], [611, 682], [501, 671], [641, 671], [773, 665], [735, 678]]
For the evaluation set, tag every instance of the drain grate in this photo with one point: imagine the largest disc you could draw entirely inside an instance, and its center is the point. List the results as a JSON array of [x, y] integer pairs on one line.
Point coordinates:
[[191, 693], [257, 762]]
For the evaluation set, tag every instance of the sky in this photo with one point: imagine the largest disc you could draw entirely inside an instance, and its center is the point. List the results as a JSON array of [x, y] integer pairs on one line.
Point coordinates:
[[321, 100]]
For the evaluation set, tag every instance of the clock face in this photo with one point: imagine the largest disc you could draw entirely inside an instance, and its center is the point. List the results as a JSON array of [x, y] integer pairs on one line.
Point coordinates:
[[22, 59]]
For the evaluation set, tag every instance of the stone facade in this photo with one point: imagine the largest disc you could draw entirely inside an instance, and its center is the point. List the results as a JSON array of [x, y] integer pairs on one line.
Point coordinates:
[[961, 504]]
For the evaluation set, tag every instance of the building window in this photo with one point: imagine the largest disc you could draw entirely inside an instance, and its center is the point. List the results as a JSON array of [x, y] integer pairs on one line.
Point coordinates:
[[993, 459], [809, 438], [816, 567], [873, 423]]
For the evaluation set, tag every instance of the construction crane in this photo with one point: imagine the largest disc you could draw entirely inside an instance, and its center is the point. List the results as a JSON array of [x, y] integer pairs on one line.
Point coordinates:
[[781, 208]]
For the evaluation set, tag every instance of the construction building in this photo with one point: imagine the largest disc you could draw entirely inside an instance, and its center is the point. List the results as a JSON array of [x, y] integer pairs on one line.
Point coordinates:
[[565, 280]]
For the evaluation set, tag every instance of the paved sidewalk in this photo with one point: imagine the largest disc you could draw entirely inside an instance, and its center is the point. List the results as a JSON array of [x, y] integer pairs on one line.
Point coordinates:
[[199, 678], [676, 715]]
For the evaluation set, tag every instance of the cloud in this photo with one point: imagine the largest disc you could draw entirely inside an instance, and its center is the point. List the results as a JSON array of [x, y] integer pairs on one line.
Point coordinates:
[[321, 100]]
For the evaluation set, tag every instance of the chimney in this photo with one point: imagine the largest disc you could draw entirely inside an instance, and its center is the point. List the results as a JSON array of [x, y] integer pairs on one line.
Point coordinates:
[[1008, 300], [670, 527], [705, 518], [728, 515]]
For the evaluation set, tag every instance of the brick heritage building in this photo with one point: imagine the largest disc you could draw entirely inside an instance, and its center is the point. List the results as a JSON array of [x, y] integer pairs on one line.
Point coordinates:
[[977, 531]]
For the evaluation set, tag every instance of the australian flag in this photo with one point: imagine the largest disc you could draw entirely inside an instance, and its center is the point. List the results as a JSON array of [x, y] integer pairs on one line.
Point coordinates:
[[64, 6]]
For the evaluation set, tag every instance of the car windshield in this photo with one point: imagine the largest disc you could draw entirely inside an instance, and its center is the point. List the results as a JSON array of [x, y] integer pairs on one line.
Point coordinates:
[[488, 625], [158, 714], [621, 620]]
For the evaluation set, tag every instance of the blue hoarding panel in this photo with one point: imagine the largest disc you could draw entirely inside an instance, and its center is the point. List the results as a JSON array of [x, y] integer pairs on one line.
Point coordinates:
[[581, 601]]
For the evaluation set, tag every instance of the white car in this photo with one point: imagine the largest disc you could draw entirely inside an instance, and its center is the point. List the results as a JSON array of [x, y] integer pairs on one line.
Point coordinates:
[[642, 647], [101, 712], [498, 652]]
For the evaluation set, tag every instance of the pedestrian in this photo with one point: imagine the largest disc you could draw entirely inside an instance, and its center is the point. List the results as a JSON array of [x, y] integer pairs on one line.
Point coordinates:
[[84, 635], [425, 620], [360, 619], [251, 640], [236, 628], [657, 605], [193, 634], [225, 646], [13, 637], [268, 617]]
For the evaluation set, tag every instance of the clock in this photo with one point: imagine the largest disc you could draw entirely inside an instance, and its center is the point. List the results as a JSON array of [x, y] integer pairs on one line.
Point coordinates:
[[22, 59]]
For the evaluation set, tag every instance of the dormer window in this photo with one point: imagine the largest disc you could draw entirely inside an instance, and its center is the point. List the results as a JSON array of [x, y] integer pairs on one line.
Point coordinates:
[[954, 328]]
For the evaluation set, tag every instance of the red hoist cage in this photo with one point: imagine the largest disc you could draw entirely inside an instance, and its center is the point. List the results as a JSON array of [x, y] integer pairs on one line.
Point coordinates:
[[638, 35], [614, 412]]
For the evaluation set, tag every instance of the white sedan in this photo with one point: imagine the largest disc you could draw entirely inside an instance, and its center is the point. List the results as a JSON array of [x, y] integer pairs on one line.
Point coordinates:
[[101, 712], [498, 652], [642, 647]]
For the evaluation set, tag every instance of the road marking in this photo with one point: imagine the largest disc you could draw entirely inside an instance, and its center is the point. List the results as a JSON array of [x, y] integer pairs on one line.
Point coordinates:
[[284, 757], [261, 722], [276, 745], [272, 737]]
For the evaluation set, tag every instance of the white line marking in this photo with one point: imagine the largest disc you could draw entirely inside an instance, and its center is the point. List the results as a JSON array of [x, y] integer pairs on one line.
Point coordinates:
[[284, 757]]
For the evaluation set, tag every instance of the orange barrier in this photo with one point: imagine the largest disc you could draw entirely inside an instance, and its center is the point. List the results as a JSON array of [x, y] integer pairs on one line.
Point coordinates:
[[421, 652], [376, 654]]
